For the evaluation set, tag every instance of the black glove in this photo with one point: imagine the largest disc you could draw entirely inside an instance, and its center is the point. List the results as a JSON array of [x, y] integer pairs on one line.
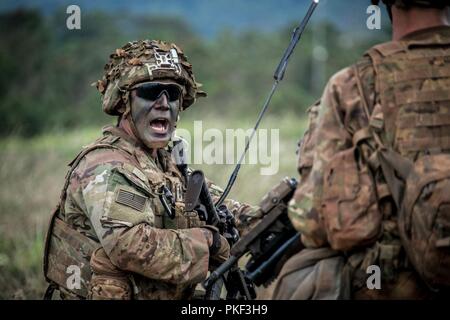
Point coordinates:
[[219, 249]]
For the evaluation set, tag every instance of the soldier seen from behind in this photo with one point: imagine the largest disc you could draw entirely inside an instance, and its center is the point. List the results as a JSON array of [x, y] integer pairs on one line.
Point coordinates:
[[373, 202]]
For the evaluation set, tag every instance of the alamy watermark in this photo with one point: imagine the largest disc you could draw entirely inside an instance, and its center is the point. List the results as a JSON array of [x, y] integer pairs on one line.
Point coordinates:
[[213, 146], [73, 21], [373, 22], [374, 280], [73, 281]]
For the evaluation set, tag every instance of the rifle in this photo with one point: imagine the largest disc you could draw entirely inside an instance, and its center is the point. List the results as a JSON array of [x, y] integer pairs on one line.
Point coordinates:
[[274, 235], [198, 198], [267, 242]]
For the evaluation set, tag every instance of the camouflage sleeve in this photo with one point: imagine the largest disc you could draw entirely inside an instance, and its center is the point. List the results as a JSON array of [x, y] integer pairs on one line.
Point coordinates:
[[325, 137], [119, 207], [246, 215], [305, 151]]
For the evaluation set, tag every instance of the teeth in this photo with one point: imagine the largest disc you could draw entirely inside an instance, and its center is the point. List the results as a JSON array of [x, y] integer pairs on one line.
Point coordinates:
[[160, 125]]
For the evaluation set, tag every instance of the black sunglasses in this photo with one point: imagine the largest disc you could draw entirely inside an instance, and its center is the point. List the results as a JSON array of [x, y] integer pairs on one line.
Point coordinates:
[[153, 90]]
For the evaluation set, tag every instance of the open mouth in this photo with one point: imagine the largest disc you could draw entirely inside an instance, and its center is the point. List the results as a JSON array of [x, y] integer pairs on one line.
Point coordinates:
[[160, 125]]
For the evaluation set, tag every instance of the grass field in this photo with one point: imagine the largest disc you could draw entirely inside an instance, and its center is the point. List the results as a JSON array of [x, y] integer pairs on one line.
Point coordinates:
[[32, 174]]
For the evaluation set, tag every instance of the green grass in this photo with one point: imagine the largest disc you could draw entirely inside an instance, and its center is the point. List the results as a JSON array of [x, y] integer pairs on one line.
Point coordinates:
[[32, 173]]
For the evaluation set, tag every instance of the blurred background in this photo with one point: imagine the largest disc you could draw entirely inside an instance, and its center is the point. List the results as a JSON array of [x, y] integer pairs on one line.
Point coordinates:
[[49, 108]]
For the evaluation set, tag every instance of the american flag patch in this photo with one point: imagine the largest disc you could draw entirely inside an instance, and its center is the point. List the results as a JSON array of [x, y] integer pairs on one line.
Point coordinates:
[[131, 200]]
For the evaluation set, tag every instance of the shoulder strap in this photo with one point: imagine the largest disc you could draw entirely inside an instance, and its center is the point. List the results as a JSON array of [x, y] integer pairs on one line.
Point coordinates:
[[362, 94], [74, 164], [392, 164], [388, 48]]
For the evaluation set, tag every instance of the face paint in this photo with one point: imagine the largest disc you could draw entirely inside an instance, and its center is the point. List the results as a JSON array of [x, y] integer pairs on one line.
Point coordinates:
[[154, 112]]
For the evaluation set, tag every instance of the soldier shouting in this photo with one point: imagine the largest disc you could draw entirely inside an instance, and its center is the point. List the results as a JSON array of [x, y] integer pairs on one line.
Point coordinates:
[[121, 217]]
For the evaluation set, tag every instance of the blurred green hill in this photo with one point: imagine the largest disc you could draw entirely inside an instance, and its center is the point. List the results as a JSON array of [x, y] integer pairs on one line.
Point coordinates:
[[47, 69], [208, 18]]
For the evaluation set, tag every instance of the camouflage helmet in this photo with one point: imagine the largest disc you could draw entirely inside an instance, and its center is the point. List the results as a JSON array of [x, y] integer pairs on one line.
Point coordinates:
[[143, 61], [418, 3]]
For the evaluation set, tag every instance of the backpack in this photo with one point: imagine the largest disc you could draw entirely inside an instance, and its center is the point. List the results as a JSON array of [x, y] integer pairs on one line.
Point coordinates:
[[412, 80]]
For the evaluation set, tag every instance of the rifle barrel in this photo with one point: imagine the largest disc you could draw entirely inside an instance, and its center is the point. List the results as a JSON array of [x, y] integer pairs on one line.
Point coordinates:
[[276, 256], [220, 271]]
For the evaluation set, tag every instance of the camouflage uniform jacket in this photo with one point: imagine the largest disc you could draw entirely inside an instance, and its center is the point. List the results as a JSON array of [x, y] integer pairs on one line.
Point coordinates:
[[113, 199], [333, 121]]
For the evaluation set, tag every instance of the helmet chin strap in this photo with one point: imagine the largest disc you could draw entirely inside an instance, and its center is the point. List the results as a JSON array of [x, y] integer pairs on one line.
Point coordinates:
[[389, 10]]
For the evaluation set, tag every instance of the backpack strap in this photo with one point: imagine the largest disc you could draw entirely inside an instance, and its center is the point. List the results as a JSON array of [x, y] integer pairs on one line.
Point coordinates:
[[392, 164], [387, 49], [73, 165]]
